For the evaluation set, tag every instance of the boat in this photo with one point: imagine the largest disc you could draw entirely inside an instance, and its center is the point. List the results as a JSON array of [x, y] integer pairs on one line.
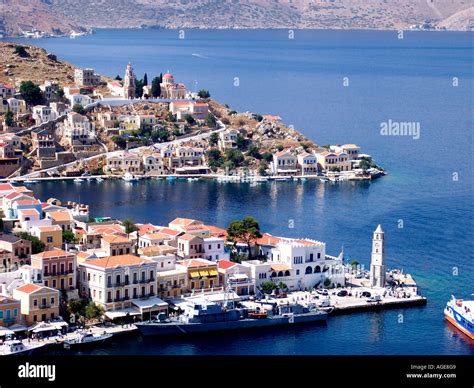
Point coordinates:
[[99, 179], [193, 179], [78, 180], [203, 316], [170, 178], [30, 182], [17, 347], [460, 313], [84, 339], [323, 180], [130, 178]]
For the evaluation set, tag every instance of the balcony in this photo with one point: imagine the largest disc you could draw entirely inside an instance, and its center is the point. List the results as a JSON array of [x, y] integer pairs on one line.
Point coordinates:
[[142, 281], [44, 306]]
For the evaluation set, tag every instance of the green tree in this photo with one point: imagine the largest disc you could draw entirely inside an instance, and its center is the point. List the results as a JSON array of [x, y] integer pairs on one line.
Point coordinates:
[[139, 88], [145, 79], [241, 143], [268, 286], [282, 286], [129, 226], [235, 157], [335, 169], [37, 245], [258, 117], [78, 108], [93, 311], [118, 78], [31, 93], [327, 283], [254, 152], [211, 121], [9, 118], [267, 156], [213, 139], [59, 93], [214, 158], [77, 307], [365, 164], [119, 141], [204, 93], [160, 135], [69, 236], [305, 146], [354, 263], [246, 231], [262, 168], [21, 51], [155, 87], [189, 119]]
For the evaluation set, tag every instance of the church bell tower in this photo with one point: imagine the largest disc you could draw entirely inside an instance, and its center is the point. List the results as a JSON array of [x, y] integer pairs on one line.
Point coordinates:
[[377, 265]]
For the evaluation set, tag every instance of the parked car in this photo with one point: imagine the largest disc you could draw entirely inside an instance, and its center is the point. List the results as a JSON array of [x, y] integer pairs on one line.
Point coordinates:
[[359, 275], [322, 291], [342, 293], [366, 294], [375, 298], [324, 303]]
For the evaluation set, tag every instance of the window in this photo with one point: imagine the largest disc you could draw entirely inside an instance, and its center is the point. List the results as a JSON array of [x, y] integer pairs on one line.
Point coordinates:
[[88, 277], [297, 271], [35, 302], [152, 274], [49, 239], [15, 313], [210, 246], [218, 246], [319, 255], [52, 300], [70, 281], [1, 314]]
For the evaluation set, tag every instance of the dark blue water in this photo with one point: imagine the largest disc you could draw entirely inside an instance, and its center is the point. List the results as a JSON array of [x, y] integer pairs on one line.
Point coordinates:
[[302, 81]]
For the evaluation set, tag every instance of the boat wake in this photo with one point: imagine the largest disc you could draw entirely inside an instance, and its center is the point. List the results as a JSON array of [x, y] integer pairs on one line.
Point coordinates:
[[199, 56]]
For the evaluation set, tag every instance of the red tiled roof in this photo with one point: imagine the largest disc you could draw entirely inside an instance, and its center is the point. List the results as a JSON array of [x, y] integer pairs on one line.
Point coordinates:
[[195, 263], [121, 260], [29, 288], [225, 264]]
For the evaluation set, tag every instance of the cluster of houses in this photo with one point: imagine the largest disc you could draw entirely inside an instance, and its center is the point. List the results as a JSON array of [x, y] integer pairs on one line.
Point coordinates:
[[139, 272]]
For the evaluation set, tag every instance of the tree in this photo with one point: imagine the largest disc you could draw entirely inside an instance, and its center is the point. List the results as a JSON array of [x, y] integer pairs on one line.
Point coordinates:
[[213, 139], [31, 93], [204, 93], [365, 164], [246, 231], [254, 152], [235, 157], [9, 118], [327, 283], [129, 226], [118, 78], [37, 245], [59, 93], [189, 119], [69, 236], [354, 263], [267, 156], [262, 168], [268, 286], [282, 286], [145, 79], [214, 158], [160, 135], [155, 87], [241, 143], [78, 108], [258, 117], [93, 311], [139, 88], [119, 141], [21, 51], [211, 121]]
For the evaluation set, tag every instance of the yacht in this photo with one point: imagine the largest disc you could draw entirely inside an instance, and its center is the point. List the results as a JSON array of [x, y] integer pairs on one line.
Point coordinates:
[[130, 178], [83, 339], [12, 347], [99, 179], [78, 180]]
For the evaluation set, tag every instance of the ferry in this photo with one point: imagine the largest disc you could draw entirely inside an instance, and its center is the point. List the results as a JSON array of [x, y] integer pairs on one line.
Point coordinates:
[[460, 313], [203, 316]]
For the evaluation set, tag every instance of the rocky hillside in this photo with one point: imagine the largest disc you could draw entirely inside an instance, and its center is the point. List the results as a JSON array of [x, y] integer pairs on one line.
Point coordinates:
[[65, 15]]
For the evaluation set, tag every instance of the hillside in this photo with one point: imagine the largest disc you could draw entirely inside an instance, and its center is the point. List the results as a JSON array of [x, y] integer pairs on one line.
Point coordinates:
[[66, 15]]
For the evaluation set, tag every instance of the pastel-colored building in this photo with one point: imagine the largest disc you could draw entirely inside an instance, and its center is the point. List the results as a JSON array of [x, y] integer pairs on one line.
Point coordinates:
[[10, 311], [58, 268], [198, 110], [285, 163], [38, 303], [51, 236], [308, 163]]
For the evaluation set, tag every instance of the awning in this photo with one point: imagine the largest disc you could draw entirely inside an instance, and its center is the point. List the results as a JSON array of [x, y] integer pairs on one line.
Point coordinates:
[[17, 327], [151, 303], [121, 313], [239, 276], [194, 274], [213, 272], [203, 272], [4, 331]]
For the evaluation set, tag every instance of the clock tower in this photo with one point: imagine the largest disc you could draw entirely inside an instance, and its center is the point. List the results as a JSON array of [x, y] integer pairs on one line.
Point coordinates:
[[377, 265]]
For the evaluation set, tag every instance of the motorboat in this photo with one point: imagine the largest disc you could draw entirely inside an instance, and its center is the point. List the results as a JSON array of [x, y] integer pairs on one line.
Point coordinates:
[[17, 347], [130, 178], [78, 180], [83, 339]]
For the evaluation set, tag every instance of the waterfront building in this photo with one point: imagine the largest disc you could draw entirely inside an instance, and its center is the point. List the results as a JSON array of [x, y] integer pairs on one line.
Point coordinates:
[[10, 311], [284, 163], [307, 163], [115, 245], [228, 139], [41, 114], [377, 262], [129, 83], [214, 249], [38, 303], [237, 276], [58, 268], [171, 90], [198, 110], [153, 164], [124, 162], [352, 150], [118, 282], [172, 282], [201, 274], [86, 77], [334, 161]]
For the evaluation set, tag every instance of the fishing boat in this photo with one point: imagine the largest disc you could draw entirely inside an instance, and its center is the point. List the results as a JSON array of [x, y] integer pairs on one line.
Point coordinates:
[[460, 313], [78, 180], [16, 347], [130, 178], [85, 339]]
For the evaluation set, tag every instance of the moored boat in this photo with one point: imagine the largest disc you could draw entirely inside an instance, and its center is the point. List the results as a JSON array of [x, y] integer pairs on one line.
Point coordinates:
[[460, 313], [16, 347], [84, 339]]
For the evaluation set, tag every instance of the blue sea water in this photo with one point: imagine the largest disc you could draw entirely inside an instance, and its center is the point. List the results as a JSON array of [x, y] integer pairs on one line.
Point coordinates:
[[301, 80]]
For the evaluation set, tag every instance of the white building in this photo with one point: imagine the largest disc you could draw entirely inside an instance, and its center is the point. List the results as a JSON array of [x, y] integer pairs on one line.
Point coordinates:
[[79, 99], [16, 105], [308, 163], [153, 164], [86, 77], [214, 249], [78, 130], [49, 89], [228, 139], [198, 110], [284, 163], [41, 114]]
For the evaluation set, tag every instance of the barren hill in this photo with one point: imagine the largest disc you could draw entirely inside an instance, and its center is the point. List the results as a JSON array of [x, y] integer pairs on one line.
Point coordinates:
[[64, 15]]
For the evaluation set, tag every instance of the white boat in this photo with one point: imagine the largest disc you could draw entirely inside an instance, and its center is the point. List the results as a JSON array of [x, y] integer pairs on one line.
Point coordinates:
[[83, 339], [193, 179], [130, 178], [99, 179], [12, 347], [78, 180], [323, 180], [30, 182]]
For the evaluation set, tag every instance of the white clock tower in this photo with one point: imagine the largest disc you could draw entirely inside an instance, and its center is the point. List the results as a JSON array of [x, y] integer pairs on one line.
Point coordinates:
[[377, 266]]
